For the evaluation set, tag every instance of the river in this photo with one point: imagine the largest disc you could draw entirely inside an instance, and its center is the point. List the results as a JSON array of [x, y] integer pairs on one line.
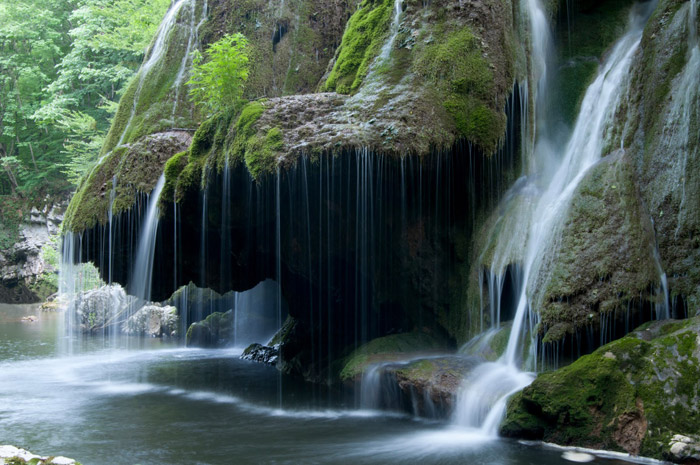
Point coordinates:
[[148, 401]]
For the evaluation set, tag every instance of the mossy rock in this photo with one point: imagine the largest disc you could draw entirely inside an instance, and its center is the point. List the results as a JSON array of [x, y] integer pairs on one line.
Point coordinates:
[[605, 260], [388, 348], [216, 330], [631, 395], [135, 168]]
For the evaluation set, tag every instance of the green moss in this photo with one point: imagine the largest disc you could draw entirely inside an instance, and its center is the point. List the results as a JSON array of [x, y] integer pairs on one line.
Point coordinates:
[[261, 152], [387, 348], [364, 36], [653, 383], [454, 63], [173, 168], [244, 128]]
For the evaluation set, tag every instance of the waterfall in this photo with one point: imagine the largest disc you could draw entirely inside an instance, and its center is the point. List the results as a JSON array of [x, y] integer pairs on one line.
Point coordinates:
[[393, 32], [157, 52], [142, 273], [482, 400], [192, 42]]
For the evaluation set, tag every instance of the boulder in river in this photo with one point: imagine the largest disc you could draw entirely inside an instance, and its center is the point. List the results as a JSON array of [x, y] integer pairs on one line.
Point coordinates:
[[100, 308], [152, 320], [639, 394], [261, 354], [216, 330]]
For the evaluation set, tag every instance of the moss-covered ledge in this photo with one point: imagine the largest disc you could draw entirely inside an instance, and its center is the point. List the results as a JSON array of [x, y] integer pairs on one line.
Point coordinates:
[[633, 395], [127, 170]]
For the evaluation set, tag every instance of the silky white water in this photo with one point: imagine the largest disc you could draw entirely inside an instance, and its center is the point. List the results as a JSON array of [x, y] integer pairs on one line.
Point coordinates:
[[142, 274], [157, 52], [481, 402]]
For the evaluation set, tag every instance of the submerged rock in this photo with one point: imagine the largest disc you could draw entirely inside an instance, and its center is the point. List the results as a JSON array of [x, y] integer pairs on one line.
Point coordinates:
[[261, 354], [152, 320], [12, 455], [639, 394]]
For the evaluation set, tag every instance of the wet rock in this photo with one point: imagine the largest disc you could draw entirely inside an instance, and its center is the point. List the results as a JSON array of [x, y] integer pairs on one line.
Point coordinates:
[[30, 319], [644, 399], [684, 449], [431, 384], [153, 320], [12, 455], [214, 331], [261, 354], [100, 308], [390, 348]]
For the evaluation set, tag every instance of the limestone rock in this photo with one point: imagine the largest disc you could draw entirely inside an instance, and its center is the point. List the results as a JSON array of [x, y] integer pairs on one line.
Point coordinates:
[[152, 320], [684, 449], [99, 308]]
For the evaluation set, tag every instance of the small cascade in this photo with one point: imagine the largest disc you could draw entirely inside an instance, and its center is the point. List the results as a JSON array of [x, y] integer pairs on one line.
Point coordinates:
[[141, 277], [192, 43], [482, 400], [393, 32], [157, 52]]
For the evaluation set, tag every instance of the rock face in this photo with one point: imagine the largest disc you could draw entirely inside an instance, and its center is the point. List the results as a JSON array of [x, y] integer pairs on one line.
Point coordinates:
[[635, 395], [630, 236], [153, 320], [22, 266]]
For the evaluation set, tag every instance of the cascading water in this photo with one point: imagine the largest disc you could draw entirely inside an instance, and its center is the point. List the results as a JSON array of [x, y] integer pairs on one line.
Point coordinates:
[[158, 52], [142, 274], [482, 400], [192, 42]]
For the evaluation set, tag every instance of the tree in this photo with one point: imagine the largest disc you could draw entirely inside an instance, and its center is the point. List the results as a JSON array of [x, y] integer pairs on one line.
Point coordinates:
[[217, 84]]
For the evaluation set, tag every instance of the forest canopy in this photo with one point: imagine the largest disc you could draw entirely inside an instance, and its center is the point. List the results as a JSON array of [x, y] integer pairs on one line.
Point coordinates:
[[63, 66]]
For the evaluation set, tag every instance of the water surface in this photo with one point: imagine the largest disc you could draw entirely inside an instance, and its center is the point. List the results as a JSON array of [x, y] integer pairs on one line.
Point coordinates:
[[150, 402]]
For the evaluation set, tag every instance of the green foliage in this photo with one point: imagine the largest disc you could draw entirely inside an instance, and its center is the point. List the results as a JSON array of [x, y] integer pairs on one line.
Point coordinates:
[[62, 65], [363, 38], [217, 83], [82, 144]]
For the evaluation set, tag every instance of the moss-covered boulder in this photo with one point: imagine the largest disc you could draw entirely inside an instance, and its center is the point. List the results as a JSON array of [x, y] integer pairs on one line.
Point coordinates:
[[216, 330], [631, 395], [387, 349], [430, 385]]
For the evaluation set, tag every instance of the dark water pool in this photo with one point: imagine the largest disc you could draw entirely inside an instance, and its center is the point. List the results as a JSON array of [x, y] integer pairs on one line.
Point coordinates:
[[148, 402]]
